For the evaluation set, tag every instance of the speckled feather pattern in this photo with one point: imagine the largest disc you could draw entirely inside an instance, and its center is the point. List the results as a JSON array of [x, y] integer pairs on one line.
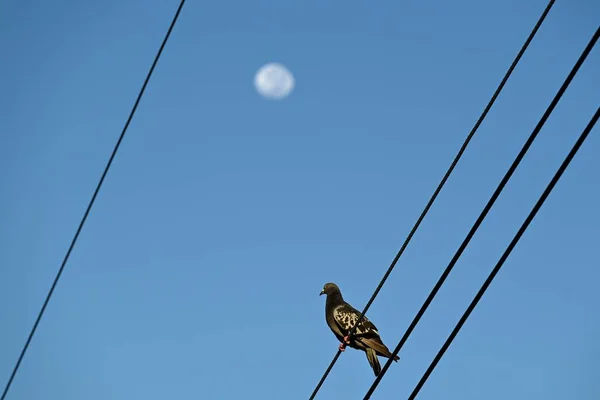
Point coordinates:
[[346, 317]]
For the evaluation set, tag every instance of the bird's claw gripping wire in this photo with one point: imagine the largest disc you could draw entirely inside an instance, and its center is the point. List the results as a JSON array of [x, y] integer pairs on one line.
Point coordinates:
[[345, 343]]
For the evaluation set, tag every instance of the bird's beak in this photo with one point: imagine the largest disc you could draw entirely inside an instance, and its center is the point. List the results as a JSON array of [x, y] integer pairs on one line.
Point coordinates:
[[322, 292]]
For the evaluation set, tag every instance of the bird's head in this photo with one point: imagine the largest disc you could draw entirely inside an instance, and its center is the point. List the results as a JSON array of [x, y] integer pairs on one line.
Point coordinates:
[[329, 289]]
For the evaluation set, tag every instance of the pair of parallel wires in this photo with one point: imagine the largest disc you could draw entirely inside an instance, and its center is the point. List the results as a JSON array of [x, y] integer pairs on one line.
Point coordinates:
[[440, 282]]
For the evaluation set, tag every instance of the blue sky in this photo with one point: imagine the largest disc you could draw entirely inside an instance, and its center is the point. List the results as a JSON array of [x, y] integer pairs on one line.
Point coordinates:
[[198, 272]]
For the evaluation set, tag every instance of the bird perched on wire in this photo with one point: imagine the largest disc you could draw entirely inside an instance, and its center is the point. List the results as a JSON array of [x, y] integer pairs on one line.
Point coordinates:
[[341, 318]]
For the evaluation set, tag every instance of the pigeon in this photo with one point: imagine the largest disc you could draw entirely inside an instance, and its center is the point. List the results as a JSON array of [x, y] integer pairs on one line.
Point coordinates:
[[341, 318]]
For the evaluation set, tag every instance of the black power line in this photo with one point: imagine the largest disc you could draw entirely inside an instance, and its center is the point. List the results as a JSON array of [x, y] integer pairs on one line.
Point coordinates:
[[487, 208], [441, 184], [507, 252], [91, 203]]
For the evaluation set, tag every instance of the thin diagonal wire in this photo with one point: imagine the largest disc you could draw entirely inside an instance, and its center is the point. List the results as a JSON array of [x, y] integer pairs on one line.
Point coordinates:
[[486, 209], [442, 183], [506, 253], [91, 203]]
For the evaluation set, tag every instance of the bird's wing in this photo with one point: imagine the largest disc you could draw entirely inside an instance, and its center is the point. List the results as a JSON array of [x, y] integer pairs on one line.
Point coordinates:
[[377, 345], [346, 317]]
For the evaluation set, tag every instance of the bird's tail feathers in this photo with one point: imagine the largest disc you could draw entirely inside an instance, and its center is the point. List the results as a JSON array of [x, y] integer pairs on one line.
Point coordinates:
[[373, 360]]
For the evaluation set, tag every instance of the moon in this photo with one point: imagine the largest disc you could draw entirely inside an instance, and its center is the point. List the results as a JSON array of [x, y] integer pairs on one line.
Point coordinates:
[[274, 81]]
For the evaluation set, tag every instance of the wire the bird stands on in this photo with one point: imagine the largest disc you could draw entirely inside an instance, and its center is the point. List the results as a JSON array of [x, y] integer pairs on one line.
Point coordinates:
[[488, 206], [91, 203], [441, 185]]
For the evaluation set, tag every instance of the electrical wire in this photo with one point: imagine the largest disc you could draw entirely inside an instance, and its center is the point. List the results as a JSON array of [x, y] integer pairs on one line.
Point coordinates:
[[506, 253], [441, 184], [487, 208], [91, 203]]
